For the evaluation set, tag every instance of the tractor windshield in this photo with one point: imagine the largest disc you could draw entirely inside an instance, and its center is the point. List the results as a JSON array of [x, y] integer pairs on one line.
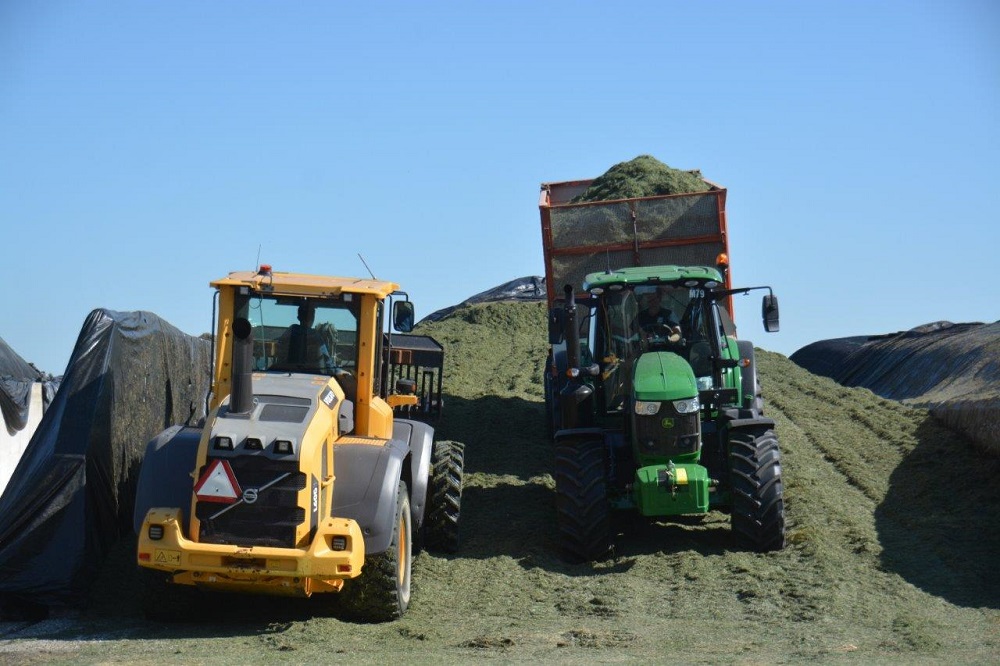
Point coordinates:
[[294, 334]]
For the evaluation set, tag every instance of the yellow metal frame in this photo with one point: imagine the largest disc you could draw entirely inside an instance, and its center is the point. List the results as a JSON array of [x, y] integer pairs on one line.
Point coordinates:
[[317, 568]]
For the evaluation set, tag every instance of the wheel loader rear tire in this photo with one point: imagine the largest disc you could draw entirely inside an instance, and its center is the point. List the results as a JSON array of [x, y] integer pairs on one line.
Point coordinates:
[[758, 508], [444, 496], [581, 500], [164, 601], [382, 592]]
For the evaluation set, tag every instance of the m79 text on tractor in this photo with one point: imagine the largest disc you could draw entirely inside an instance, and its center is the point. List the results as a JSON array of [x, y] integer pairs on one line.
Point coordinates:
[[653, 403], [302, 481]]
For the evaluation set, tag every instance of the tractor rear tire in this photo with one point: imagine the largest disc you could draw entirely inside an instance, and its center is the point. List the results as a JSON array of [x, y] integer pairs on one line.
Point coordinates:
[[444, 496], [382, 592], [758, 507], [581, 500]]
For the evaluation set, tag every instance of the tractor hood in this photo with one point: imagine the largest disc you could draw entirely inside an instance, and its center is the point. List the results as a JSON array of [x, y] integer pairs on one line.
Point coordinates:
[[663, 376]]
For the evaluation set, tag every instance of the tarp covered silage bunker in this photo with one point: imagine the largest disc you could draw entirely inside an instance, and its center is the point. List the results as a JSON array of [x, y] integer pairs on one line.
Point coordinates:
[[131, 375]]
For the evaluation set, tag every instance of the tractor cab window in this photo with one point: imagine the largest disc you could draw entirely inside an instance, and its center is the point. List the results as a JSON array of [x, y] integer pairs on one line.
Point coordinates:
[[617, 345], [294, 334]]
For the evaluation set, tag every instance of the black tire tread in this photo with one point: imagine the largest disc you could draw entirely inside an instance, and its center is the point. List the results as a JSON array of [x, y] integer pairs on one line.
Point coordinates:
[[374, 596], [758, 508], [444, 496], [581, 500]]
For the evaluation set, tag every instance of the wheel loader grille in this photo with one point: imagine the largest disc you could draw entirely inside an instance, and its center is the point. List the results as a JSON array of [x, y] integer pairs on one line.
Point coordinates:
[[667, 433], [267, 512]]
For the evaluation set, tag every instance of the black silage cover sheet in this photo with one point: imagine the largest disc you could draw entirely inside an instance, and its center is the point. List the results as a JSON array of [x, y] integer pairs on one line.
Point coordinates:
[[70, 498], [16, 378]]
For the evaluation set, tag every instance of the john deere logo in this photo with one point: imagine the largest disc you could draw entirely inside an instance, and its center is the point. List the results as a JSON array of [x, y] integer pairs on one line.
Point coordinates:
[[667, 423]]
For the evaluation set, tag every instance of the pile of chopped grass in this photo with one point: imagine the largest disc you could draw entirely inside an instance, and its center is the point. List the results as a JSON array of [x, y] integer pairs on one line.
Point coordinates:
[[645, 176]]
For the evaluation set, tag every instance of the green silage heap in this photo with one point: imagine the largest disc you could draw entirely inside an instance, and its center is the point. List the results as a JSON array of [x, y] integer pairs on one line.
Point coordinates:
[[645, 176]]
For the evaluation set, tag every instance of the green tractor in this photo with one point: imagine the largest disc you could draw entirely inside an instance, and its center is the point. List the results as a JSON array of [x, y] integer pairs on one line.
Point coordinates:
[[659, 410]]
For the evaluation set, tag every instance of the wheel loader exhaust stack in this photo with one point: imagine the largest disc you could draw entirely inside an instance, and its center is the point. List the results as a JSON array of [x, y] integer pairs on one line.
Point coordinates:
[[307, 478]]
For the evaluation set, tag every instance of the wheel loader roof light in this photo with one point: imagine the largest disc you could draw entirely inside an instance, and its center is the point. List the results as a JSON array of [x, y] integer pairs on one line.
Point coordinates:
[[265, 269]]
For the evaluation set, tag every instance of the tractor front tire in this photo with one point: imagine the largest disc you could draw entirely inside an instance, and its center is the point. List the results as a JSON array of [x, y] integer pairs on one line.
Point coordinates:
[[581, 500], [758, 507], [444, 496], [382, 592]]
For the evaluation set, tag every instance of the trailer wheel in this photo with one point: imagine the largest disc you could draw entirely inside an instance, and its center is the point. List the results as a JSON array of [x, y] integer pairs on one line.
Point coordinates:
[[758, 510], [581, 499], [382, 592], [444, 492]]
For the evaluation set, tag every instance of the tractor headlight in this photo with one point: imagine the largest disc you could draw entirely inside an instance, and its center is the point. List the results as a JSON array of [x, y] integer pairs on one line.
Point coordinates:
[[646, 408], [687, 406]]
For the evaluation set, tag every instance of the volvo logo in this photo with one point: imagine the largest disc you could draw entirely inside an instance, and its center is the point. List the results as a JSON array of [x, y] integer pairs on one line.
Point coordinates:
[[250, 495]]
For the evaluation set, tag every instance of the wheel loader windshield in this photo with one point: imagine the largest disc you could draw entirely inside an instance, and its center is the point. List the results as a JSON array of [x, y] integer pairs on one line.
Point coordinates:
[[310, 335]]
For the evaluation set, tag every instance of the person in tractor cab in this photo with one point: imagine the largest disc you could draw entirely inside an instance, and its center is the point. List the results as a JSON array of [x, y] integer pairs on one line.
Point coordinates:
[[301, 346], [654, 316]]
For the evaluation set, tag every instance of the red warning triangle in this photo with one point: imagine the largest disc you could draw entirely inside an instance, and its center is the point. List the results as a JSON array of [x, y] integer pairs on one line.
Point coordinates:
[[218, 484]]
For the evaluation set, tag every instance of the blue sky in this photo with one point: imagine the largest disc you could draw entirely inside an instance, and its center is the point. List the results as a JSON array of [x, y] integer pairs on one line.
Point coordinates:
[[147, 148]]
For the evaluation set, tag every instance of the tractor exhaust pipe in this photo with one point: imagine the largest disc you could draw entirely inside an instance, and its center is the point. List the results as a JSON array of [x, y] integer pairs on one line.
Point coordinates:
[[241, 395], [574, 397]]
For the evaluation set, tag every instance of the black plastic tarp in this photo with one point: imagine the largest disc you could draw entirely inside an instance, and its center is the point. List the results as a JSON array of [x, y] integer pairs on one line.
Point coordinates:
[[16, 378], [531, 288], [131, 374], [951, 369]]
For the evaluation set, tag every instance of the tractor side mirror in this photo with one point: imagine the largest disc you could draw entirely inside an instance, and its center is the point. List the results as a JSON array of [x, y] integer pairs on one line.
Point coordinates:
[[769, 310], [557, 325], [402, 316]]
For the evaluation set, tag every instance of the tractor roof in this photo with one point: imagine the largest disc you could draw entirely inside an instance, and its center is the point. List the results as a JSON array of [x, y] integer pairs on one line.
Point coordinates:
[[266, 280], [652, 275]]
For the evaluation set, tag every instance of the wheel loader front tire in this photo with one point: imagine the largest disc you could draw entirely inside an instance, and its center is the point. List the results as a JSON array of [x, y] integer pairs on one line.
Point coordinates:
[[444, 496], [581, 500], [758, 508], [382, 592]]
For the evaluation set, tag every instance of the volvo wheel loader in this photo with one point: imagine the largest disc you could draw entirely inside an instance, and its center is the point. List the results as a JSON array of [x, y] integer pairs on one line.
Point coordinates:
[[301, 481], [653, 402]]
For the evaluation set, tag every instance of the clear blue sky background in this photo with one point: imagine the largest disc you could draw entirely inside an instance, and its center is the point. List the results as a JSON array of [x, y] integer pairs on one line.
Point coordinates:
[[149, 147]]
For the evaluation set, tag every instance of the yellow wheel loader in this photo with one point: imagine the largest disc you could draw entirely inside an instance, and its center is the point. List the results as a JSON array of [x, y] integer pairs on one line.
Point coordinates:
[[301, 481]]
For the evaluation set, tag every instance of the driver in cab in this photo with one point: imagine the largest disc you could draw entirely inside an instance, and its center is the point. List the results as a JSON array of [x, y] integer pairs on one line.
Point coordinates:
[[656, 320]]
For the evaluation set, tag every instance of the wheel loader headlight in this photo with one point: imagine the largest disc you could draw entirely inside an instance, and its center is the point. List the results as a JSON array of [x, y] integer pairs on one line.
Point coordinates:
[[283, 447], [646, 408], [224, 443], [155, 532], [687, 406], [254, 444]]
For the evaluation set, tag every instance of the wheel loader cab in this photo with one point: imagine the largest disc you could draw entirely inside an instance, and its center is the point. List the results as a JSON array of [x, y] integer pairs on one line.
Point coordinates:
[[306, 335]]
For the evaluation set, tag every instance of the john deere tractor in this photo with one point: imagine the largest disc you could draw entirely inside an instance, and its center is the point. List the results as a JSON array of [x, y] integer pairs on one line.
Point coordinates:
[[659, 410]]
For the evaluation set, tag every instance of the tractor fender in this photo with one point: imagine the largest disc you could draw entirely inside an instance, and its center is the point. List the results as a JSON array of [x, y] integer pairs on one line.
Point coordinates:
[[420, 440], [365, 487], [165, 476], [747, 421]]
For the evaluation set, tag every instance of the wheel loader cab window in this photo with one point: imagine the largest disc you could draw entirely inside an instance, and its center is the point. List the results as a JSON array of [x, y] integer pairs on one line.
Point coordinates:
[[294, 334]]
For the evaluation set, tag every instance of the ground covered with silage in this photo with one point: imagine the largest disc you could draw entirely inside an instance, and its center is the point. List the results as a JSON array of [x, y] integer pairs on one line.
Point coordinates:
[[891, 555]]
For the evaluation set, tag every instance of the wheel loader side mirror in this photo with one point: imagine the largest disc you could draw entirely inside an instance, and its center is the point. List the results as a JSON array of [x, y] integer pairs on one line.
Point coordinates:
[[402, 316], [769, 310]]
